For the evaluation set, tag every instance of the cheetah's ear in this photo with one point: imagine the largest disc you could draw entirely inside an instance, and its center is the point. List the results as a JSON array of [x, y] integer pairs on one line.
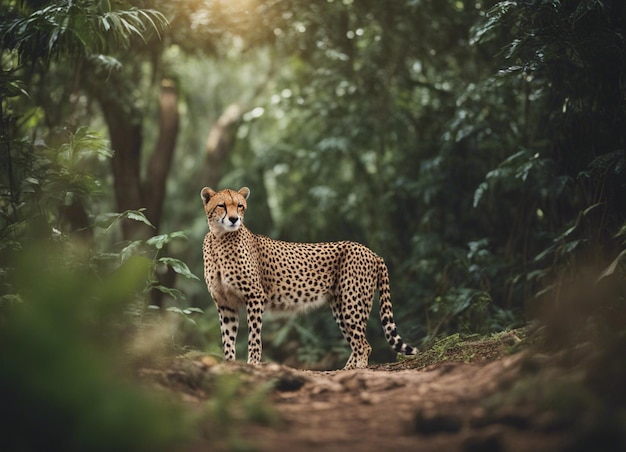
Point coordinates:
[[206, 194], [245, 192]]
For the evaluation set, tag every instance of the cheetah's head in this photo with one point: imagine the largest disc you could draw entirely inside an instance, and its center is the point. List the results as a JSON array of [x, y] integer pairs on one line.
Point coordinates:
[[224, 209]]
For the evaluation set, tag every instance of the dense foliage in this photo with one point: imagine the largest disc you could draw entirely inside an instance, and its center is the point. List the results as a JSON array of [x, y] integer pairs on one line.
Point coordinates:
[[477, 146]]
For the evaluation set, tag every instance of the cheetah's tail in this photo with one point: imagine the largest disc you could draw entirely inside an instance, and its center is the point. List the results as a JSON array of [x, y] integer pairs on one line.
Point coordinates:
[[386, 314]]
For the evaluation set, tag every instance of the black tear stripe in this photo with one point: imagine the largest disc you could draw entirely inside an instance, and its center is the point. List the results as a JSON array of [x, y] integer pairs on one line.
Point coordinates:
[[210, 214], [212, 211]]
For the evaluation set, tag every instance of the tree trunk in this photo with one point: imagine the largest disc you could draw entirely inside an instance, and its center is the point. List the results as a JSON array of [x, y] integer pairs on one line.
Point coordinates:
[[130, 192], [126, 140], [161, 158]]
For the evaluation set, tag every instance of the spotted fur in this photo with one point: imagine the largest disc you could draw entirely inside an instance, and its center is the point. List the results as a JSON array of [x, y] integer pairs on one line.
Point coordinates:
[[246, 269]]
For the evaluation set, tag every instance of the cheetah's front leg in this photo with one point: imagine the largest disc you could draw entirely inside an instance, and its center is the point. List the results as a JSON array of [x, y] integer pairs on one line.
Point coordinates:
[[229, 324], [255, 321]]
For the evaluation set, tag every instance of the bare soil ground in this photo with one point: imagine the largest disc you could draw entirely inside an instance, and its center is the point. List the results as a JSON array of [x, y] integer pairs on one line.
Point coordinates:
[[450, 398]]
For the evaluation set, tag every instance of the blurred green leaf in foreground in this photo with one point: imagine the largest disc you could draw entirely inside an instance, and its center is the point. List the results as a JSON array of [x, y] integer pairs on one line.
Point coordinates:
[[65, 382]]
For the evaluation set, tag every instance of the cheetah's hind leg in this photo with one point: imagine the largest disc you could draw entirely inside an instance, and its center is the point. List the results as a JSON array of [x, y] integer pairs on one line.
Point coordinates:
[[353, 330]]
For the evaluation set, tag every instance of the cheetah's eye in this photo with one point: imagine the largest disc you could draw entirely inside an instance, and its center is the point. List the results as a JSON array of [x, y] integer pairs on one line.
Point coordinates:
[[222, 205], [240, 206]]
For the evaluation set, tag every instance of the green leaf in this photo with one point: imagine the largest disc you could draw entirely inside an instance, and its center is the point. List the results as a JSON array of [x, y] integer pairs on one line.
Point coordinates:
[[178, 235], [131, 249], [107, 220], [480, 191], [159, 241], [174, 293], [612, 267], [179, 267], [545, 253], [137, 215]]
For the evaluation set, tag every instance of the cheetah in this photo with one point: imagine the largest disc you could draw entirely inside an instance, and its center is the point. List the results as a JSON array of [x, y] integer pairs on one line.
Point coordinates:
[[245, 269]]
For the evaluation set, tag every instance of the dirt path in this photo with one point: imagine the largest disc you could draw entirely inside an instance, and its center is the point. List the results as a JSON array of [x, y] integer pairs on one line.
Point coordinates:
[[401, 406], [400, 409]]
